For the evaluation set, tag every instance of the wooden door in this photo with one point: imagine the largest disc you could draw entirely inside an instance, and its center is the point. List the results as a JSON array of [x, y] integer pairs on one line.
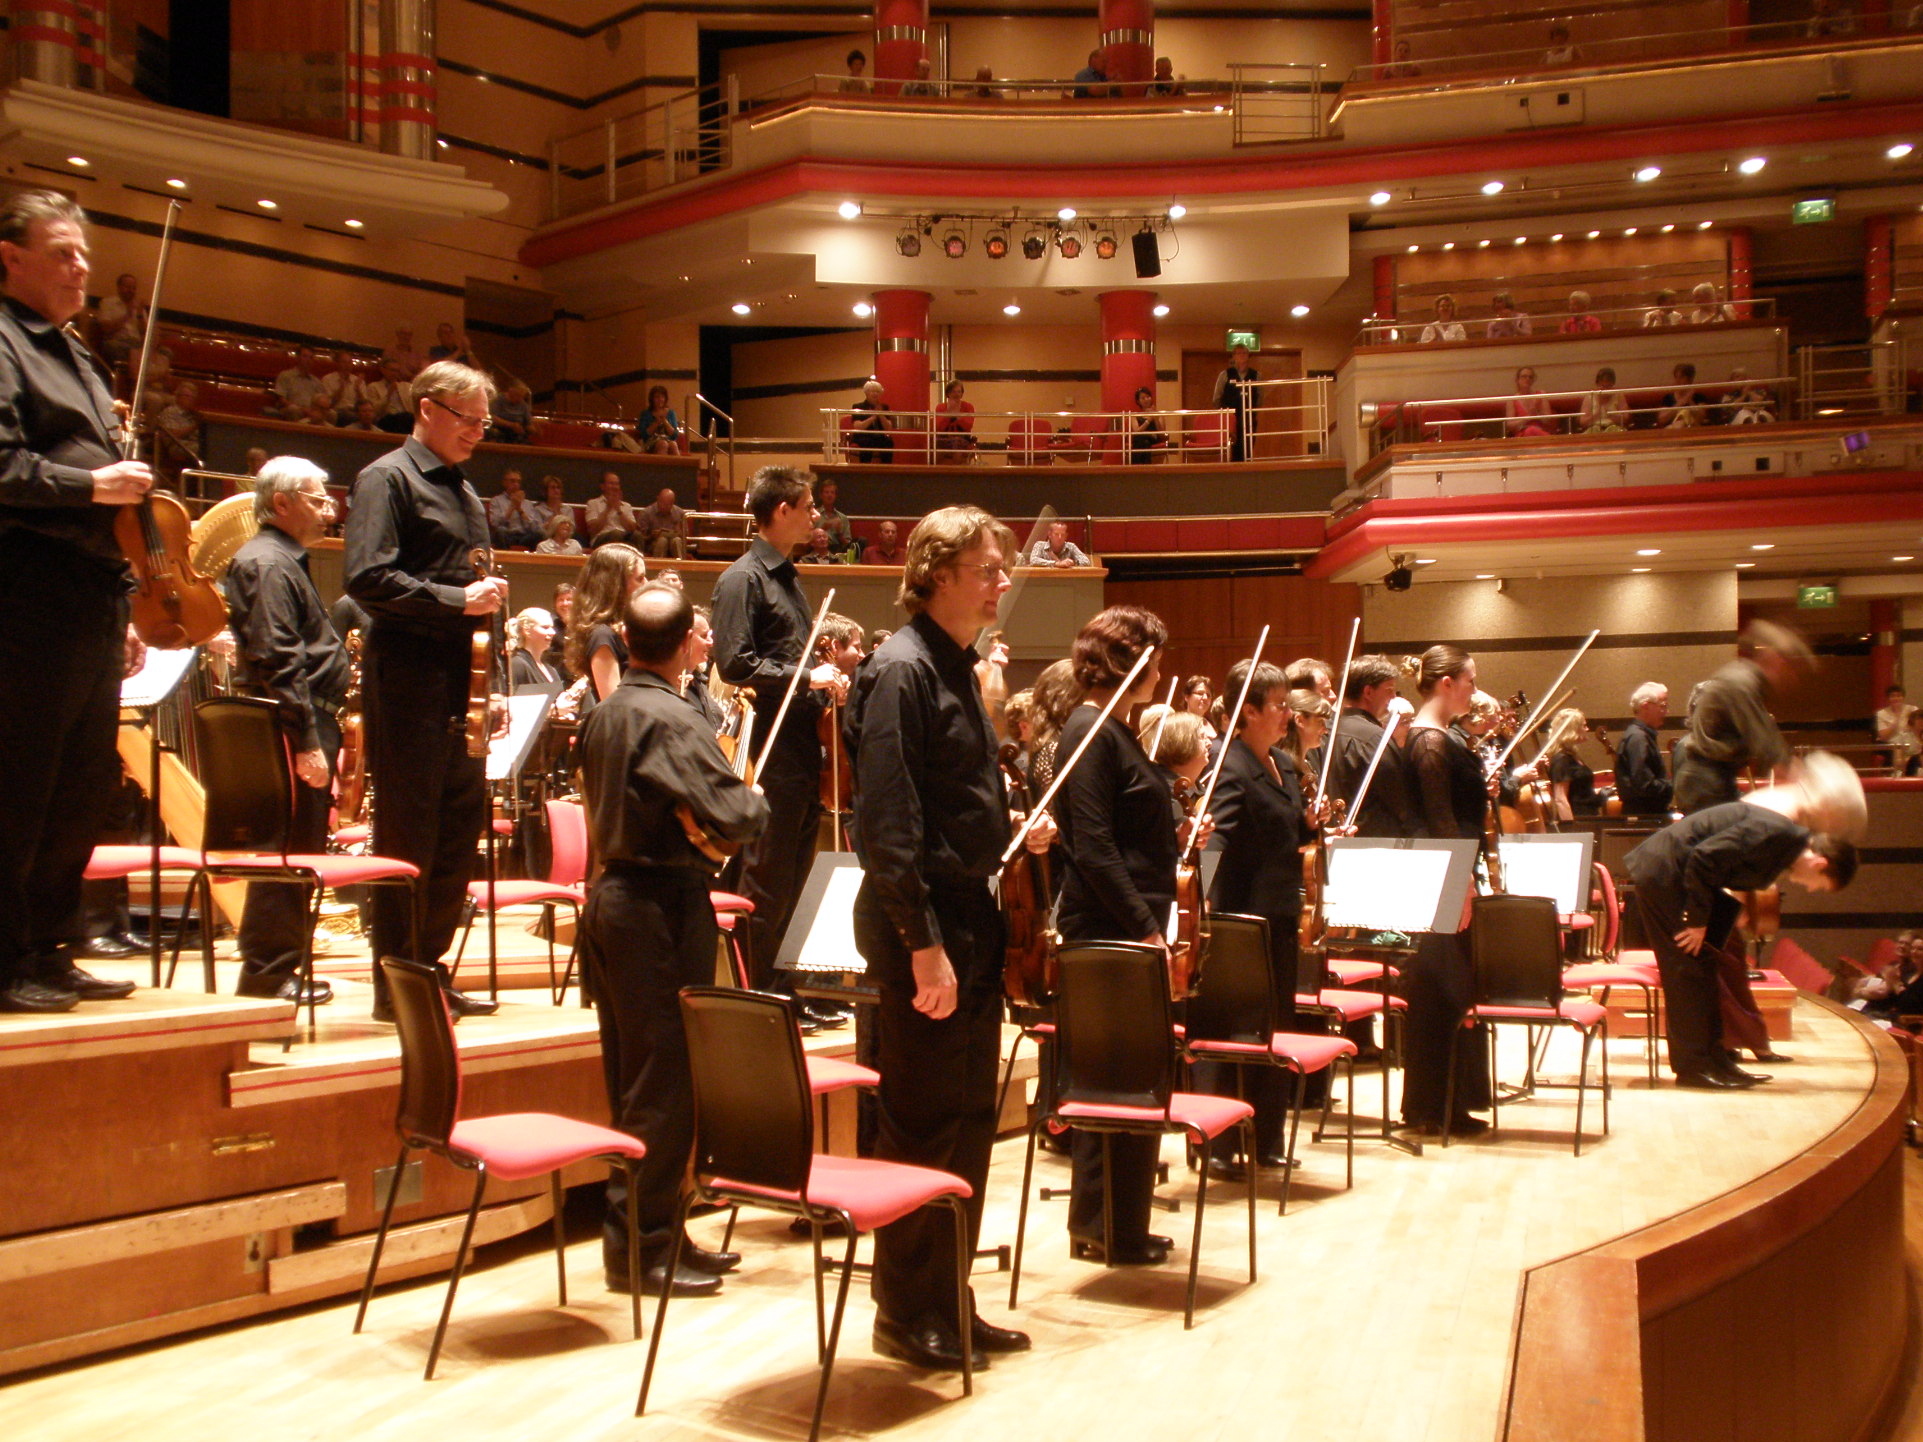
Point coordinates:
[[1201, 367]]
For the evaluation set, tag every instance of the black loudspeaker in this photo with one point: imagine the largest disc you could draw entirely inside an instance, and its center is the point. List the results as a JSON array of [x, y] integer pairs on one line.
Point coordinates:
[[1148, 255]]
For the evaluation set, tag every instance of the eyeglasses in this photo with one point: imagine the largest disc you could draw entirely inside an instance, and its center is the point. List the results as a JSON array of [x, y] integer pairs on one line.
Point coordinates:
[[982, 569], [462, 416]]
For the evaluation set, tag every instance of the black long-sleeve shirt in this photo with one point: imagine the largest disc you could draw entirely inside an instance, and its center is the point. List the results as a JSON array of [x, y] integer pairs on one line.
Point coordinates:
[[1729, 728], [1642, 780], [928, 797], [643, 752], [1451, 799], [1260, 829], [1733, 847], [761, 618], [1389, 808], [285, 644], [413, 526], [57, 427], [1115, 812]]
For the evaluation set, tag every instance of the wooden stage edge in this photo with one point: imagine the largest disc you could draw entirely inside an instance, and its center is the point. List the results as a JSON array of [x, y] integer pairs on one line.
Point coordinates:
[[1637, 1338]]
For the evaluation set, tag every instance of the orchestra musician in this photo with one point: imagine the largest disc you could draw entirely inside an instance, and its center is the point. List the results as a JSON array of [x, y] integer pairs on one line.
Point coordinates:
[[695, 685], [649, 928], [63, 586], [1452, 802], [412, 530], [1573, 781], [1642, 776], [1730, 727], [761, 620], [930, 826], [287, 650], [1389, 808]]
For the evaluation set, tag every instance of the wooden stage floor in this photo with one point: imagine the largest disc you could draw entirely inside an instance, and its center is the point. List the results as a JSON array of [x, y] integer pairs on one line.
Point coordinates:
[[1384, 1312]]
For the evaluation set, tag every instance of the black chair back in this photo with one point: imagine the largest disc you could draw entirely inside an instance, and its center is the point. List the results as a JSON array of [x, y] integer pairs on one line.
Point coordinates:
[[1517, 947], [1235, 1000], [245, 770], [430, 1070], [1112, 1020], [753, 1112]]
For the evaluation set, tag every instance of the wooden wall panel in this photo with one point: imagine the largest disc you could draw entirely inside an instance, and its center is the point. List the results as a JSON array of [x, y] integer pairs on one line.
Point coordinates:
[[1213, 621]]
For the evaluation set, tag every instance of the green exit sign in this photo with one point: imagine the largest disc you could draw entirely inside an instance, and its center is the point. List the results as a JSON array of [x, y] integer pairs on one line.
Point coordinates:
[[1812, 212], [1250, 338], [1815, 598]]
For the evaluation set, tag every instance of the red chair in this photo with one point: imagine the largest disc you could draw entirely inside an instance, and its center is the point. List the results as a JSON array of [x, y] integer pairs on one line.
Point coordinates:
[[755, 1146], [1516, 944], [731, 913], [1208, 434], [1029, 438], [510, 1145], [1341, 1008], [116, 863], [1118, 1076], [567, 873]]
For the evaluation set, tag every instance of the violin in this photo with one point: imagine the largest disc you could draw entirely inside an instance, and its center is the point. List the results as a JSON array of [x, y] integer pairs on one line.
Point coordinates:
[[837, 776], [1030, 975], [351, 801], [1761, 920], [480, 668], [1188, 938]]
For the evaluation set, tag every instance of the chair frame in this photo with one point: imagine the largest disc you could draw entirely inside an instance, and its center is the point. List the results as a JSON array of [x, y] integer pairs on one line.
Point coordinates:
[[430, 1085], [478, 901]]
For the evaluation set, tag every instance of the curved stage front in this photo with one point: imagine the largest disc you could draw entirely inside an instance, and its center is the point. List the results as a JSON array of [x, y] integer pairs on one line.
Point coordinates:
[[1720, 1266]]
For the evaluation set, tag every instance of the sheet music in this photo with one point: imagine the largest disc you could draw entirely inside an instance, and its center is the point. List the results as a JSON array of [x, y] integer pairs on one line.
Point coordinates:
[[1557, 868], [157, 677], [830, 941], [1380, 889], [525, 713]]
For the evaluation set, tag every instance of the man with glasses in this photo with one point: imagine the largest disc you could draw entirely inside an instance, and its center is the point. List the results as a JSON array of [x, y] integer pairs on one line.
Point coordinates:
[[412, 530], [287, 650]]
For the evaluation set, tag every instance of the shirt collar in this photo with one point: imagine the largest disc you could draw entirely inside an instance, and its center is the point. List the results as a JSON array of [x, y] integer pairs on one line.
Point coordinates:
[[942, 648], [30, 319], [770, 560], [427, 463], [635, 676]]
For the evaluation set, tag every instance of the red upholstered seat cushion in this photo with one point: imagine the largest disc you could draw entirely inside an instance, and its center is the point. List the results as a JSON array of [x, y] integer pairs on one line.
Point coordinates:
[[832, 1074], [728, 901], [111, 862], [356, 835], [872, 1193], [525, 893], [1576, 921], [1351, 1005], [332, 870], [531, 1144], [1305, 1051], [1350, 973], [1590, 975], [1582, 1013], [1192, 1111]]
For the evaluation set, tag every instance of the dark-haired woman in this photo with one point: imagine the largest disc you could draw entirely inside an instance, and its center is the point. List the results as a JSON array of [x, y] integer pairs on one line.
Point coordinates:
[[659, 426], [1440, 984], [596, 647]]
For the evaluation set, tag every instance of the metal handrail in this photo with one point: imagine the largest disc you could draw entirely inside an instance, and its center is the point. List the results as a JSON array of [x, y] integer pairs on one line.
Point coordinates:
[[1379, 331], [698, 407], [959, 89]]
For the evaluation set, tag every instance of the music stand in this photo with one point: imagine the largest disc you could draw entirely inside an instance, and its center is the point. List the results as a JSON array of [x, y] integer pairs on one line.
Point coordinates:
[[159, 676], [527, 713], [1556, 866], [1379, 883]]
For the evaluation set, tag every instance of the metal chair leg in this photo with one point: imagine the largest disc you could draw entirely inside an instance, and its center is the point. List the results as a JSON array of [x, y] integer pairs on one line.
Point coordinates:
[[964, 1310], [1201, 1205], [460, 1265], [1250, 1124], [380, 1237], [661, 1311], [634, 1245], [559, 1204], [1295, 1131], [1021, 1214], [834, 1331], [821, 1299]]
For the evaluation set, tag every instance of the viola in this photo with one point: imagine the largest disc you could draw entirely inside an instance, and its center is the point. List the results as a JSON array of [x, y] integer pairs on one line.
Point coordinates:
[[1030, 975], [351, 801], [480, 668], [174, 605]]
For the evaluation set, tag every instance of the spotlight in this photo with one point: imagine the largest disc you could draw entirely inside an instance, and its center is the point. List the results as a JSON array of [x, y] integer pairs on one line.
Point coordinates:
[[908, 243], [1649, 173], [1105, 246], [849, 210], [1034, 245], [1399, 578], [1494, 187], [954, 245], [995, 243], [1753, 164], [1069, 245], [1178, 210], [741, 307]]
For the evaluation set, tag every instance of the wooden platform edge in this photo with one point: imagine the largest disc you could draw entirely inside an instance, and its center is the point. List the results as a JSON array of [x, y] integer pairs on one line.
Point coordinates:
[[1638, 1338]]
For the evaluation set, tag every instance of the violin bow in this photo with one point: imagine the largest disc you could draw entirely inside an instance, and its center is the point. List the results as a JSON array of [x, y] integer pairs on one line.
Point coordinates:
[[1328, 742], [803, 665], [1161, 722], [1555, 734], [130, 433], [1362, 791], [1061, 774], [1231, 718], [1543, 707]]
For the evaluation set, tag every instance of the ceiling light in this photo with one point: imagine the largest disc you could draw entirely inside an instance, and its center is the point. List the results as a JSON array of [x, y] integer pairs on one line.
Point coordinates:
[[1629, 230], [1067, 212], [1521, 238], [1414, 248], [1704, 224], [79, 160], [1177, 211], [1638, 570], [1556, 237], [1752, 165], [174, 182], [1902, 558], [1649, 173], [1745, 565], [1899, 150], [1298, 311], [353, 224], [1649, 551], [741, 307], [1448, 245], [1595, 235], [1160, 311], [908, 243], [1105, 246], [1070, 245], [863, 309], [1425, 560], [1494, 187], [1764, 546], [995, 244], [1034, 245], [1668, 228], [1485, 575], [1381, 197], [849, 210], [1011, 309], [267, 205], [954, 245], [1482, 245]]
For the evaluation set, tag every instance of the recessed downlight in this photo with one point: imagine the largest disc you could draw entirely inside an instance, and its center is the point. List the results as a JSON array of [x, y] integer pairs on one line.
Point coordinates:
[[1704, 224], [1629, 230], [1639, 570], [79, 162], [1900, 150], [849, 210], [741, 307], [1177, 211], [1649, 551], [1752, 165], [863, 309], [1011, 309], [268, 204], [1414, 248], [1764, 546], [1595, 235], [174, 182], [1160, 311], [1649, 173], [1381, 197], [1482, 245], [1493, 187], [353, 224], [1067, 212], [1745, 565], [1902, 558]]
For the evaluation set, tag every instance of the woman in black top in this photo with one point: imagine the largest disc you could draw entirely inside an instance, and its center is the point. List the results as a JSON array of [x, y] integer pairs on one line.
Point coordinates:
[[1146, 434], [595, 645], [1451, 802], [529, 636], [1575, 783], [1120, 844]]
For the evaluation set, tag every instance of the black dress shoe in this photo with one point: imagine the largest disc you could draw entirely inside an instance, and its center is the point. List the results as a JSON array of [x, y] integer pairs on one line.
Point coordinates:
[[284, 988], [29, 995], [713, 1264], [826, 1017], [1710, 1081], [1743, 1078], [1147, 1251], [989, 1338], [927, 1344], [1275, 1161], [654, 1276], [111, 946], [798, 1227], [1467, 1126], [1774, 1058], [459, 1004], [85, 985], [1223, 1170]]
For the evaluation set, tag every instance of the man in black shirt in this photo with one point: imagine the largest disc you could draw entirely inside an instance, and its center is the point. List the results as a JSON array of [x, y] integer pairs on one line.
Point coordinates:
[[412, 528], [930, 827], [1388, 809], [63, 588], [649, 929], [761, 619], [1683, 876], [1642, 780], [286, 649]]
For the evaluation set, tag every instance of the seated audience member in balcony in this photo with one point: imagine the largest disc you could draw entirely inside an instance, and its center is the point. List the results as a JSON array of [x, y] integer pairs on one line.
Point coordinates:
[[255, 458], [1147, 436], [658, 427], [180, 418], [664, 527], [158, 393], [869, 436], [829, 516], [1445, 326], [560, 538], [923, 84], [984, 86], [1829, 19], [365, 418], [610, 511], [1165, 84], [1579, 321], [856, 81], [1604, 408], [1057, 549], [1914, 745], [1507, 320], [513, 517], [343, 386], [1091, 81], [1402, 68], [404, 355], [885, 549], [1527, 411], [450, 344], [1893, 725], [1560, 51], [320, 412], [1683, 405], [120, 322], [392, 408], [1706, 309], [954, 421], [296, 388], [819, 552], [1236, 392], [511, 416], [1664, 311], [1746, 403]]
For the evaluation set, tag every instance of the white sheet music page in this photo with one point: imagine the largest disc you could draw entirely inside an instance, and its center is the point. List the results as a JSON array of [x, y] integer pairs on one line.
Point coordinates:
[[831, 940], [1384, 889], [1546, 868]]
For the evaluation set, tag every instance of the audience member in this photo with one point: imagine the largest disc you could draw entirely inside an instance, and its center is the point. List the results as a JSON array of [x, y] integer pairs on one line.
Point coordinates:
[[1747, 403], [1664, 311], [552, 503], [868, 436], [343, 386], [610, 511], [856, 82], [180, 419], [664, 528], [819, 552], [511, 415], [158, 392], [954, 421], [296, 388], [1528, 410], [512, 517], [885, 550], [1579, 321], [658, 428], [984, 86], [1682, 406], [1057, 550], [1707, 310], [403, 355], [365, 417], [120, 322], [255, 458], [1560, 51], [1829, 20], [560, 538], [1507, 321], [1445, 326], [1165, 84], [1402, 68], [1604, 408], [1091, 81], [1893, 726], [828, 516], [922, 85], [1146, 434], [390, 395], [1914, 745], [1236, 392], [450, 344], [320, 412]]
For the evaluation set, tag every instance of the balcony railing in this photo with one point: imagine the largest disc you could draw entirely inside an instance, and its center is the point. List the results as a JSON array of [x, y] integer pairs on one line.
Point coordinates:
[[684, 136], [1412, 330]]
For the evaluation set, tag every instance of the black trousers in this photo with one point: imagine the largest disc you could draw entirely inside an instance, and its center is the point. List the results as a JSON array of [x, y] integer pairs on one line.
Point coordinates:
[[430, 796], [274, 923], [648, 932], [62, 654], [936, 1103], [1440, 986], [1692, 1020], [775, 864]]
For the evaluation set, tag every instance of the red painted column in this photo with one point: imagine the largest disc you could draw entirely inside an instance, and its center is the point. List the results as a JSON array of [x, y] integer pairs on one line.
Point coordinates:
[[1736, 17], [1883, 652], [901, 41], [1739, 271], [1385, 290], [901, 365], [1878, 266], [1127, 29], [1382, 32], [1128, 353]]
